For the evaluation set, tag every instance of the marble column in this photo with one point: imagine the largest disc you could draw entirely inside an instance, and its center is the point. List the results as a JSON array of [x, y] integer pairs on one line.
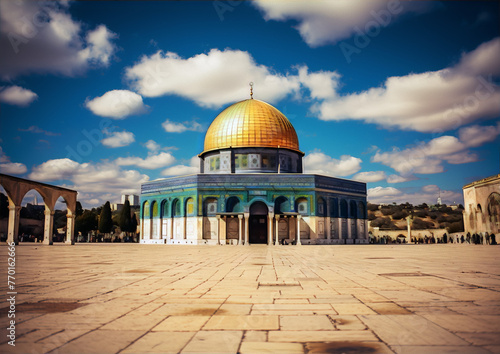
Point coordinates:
[[299, 217], [49, 223], [247, 217], [240, 228], [277, 242], [218, 228], [14, 212], [328, 228], [70, 229]]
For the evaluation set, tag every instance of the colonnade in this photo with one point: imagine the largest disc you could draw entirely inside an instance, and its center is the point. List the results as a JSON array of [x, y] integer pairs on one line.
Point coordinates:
[[16, 188], [244, 228]]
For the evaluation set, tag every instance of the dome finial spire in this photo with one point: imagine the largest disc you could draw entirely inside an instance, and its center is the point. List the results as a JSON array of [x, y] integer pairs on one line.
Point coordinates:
[[251, 90]]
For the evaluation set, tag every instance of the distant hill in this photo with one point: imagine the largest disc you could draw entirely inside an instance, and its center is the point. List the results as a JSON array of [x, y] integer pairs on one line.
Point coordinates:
[[393, 216]]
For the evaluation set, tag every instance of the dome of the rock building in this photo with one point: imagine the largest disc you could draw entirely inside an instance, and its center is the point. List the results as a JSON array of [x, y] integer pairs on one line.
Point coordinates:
[[251, 123]]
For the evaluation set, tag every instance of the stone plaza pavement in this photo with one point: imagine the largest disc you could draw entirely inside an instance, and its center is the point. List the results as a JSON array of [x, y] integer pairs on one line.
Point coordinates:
[[130, 298]]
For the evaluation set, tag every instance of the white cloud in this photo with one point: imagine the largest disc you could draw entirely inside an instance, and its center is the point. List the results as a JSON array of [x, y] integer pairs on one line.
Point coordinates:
[[370, 176], [118, 139], [326, 21], [432, 101], [10, 168], [117, 104], [426, 194], [211, 79], [100, 181], [322, 84], [383, 192], [477, 135], [59, 169], [427, 158], [151, 162], [175, 127], [152, 146], [399, 179], [42, 37], [178, 170], [13, 168], [99, 47], [318, 162], [17, 96]]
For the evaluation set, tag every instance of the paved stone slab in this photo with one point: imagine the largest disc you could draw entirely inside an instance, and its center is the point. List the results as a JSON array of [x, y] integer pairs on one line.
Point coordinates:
[[182, 323], [387, 308], [160, 342], [305, 323], [99, 341], [407, 349], [214, 342], [321, 336], [347, 323], [347, 347], [353, 309], [410, 329], [243, 322], [255, 336], [271, 348]]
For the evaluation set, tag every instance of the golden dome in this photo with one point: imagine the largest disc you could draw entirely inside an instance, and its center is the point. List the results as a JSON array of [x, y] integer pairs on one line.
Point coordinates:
[[251, 123]]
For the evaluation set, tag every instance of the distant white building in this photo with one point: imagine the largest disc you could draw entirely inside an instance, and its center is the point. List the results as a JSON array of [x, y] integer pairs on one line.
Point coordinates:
[[132, 199]]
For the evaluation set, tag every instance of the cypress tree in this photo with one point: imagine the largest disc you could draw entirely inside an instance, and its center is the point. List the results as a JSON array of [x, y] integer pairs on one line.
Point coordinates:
[[105, 222], [125, 220]]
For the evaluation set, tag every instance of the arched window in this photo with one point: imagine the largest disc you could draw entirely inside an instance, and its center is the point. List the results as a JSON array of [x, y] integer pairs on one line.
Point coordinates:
[[233, 205], [189, 211], [361, 210], [164, 208], [210, 207], [334, 208], [176, 208], [155, 210], [301, 206], [343, 208], [281, 205], [353, 209], [145, 210], [494, 210]]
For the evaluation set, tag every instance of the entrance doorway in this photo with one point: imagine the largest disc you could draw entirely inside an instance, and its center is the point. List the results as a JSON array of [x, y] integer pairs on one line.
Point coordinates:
[[258, 223]]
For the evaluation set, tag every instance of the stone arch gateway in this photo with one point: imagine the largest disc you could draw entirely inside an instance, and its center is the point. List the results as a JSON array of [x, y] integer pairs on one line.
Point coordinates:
[[16, 188]]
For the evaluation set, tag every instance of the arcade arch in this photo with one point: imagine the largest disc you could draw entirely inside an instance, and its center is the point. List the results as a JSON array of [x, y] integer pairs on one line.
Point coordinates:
[[16, 188]]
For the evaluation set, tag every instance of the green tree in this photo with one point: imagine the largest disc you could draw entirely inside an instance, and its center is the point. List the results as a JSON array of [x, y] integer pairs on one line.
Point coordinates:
[[86, 222], [125, 220], [78, 209], [105, 222]]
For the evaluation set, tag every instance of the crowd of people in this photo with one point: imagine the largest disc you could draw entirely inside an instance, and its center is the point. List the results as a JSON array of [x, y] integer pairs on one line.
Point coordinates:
[[475, 239]]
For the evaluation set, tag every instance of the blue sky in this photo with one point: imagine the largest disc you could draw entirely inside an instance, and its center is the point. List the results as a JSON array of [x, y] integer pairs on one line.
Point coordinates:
[[103, 96]]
